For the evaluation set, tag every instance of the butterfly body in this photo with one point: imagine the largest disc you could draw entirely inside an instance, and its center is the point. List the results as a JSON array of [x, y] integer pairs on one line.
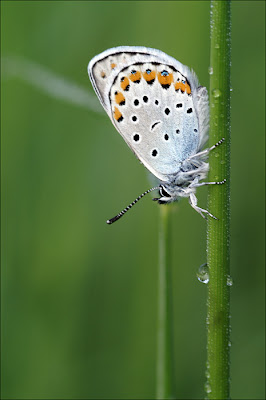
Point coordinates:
[[162, 113]]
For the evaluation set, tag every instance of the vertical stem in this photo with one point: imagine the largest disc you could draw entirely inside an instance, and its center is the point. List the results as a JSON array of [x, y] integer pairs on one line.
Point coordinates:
[[164, 388], [218, 244]]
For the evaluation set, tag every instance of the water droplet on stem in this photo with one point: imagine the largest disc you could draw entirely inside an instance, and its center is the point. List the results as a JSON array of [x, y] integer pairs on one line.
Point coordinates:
[[203, 273], [216, 93], [229, 281], [207, 387]]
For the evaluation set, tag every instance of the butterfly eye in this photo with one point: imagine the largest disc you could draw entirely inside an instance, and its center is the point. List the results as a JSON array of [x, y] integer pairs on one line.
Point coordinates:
[[163, 192]]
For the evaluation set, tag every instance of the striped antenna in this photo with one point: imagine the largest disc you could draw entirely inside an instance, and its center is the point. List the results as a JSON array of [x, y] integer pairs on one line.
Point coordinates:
[[118, 216]]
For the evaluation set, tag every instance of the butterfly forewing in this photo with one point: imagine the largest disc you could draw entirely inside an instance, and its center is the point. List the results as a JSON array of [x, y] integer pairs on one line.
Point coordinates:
[[152, 101]]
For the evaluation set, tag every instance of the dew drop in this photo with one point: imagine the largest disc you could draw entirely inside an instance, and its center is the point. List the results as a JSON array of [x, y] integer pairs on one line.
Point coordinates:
[[207, 387], [229, 281], [217, 155], [210, 70], [216, 93], [217, 46], [203, 273], [231, 89]]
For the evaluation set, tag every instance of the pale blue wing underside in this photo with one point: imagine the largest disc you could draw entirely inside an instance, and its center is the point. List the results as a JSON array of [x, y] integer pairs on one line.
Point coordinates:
[[163, 124]]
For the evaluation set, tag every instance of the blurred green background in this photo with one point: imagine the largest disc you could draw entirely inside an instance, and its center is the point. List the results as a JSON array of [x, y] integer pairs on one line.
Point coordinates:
[[79, 297]]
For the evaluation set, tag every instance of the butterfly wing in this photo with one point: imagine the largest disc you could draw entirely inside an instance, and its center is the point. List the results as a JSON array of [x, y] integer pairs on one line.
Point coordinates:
[[153, 101]]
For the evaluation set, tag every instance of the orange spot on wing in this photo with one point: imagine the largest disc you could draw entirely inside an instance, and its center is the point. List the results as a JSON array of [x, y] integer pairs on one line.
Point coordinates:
[[165, 80], [113, 65], [117, 114], [119, 98], [149, 77], [136, 76], [124, 83], [180, 85]]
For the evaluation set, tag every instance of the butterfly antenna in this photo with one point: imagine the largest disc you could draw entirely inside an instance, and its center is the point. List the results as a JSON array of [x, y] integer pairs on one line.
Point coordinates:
[[118, 216]]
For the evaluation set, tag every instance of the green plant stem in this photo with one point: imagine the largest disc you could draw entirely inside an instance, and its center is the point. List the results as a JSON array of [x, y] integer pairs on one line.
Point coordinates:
[[218, 243], [164, 389]]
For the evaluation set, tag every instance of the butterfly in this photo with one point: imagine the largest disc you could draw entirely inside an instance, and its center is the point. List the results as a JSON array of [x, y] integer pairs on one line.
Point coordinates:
[[162, 113]]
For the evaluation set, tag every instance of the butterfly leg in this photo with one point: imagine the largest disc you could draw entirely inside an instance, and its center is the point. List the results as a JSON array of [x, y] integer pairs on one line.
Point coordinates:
[[207, 183], [193, 202], [206, 151]]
